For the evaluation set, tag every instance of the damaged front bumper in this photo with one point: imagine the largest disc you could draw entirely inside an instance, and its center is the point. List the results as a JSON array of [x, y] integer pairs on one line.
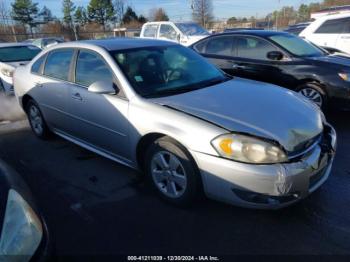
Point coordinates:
[[7, 87], [268, 186]]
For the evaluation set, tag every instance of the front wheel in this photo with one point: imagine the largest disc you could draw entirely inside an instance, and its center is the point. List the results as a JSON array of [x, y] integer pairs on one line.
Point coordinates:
[[172, 172], [314, 93], [2, 88], [36, 120]]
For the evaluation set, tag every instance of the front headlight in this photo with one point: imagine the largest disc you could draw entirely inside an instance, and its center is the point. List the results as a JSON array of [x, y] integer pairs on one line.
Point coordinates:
[[22, 230], [345, 76], [7, 72], [248, 149]]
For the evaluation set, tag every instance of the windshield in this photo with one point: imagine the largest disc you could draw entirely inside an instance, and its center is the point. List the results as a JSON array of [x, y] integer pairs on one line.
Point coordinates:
[[191, 29], [18, 53], [166, 70], [296, 45]]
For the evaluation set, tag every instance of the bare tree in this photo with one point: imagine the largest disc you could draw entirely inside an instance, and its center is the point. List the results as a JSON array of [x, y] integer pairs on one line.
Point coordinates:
[[119, 10], [202, 12], [5, 17]]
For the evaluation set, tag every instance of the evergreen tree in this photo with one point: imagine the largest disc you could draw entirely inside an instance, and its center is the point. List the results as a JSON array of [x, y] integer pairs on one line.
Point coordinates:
[[46, 15], [68, 8], [80, 16], [101, 11], [129, 16], [25, 12]]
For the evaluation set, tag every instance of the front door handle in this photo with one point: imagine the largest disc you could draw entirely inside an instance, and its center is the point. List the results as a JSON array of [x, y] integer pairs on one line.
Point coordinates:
[[235, 66], [77, 96]]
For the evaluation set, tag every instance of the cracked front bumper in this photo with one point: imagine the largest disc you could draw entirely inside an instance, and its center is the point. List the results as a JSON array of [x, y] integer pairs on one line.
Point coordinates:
[[266, 186]]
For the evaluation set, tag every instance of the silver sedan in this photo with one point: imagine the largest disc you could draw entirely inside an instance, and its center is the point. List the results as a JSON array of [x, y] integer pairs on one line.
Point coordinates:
[[161, 108]]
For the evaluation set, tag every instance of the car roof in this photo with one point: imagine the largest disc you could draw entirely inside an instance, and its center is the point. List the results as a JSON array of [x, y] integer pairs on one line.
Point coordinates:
[[261, 33], [332, 16], [14, 44], [117, 43], [170, 22]]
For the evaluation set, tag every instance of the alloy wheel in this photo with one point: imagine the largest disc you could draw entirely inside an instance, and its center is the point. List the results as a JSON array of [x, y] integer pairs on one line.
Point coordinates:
[[312, 95], [168, 174], [36, 120]]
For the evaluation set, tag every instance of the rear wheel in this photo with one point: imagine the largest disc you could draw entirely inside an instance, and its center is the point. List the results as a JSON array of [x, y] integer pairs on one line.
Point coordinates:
[[172, 172], [36, 120], [314, 93]]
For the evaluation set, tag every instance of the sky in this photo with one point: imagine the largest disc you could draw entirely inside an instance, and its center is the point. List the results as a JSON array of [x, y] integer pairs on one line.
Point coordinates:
[[180, 9]]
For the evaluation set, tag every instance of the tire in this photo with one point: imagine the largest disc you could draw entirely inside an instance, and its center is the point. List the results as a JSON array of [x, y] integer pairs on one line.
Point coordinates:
[[37, 121], [2, 88], [172, 172], [314, 93]]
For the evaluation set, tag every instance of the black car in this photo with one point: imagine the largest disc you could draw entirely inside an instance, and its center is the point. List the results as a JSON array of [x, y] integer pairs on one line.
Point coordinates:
[[24, 233], [283, 59]]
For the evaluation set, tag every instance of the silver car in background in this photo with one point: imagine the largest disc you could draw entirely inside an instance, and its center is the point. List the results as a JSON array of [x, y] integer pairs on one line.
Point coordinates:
[[161, 108], [13, 55]]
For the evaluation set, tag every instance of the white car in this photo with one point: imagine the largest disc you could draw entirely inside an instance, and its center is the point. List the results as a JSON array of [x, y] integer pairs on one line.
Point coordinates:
[[183, 33], [331, 32], [13, 55]]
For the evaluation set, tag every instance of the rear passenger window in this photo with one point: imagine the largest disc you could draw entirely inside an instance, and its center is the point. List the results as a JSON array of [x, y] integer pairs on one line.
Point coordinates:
[[37, 65], [220, 46], [150, 31], [253, 48], [334, 26], [58, 63], [91, 68]]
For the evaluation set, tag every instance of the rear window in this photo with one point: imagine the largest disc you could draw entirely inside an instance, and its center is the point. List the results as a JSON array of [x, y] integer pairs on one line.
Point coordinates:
[[18, 53], [150, 31]]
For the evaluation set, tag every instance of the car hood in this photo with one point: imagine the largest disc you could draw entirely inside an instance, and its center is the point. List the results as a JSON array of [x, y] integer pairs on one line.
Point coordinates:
[[253, 108], [338, 59], [191, 39], [13, 65]]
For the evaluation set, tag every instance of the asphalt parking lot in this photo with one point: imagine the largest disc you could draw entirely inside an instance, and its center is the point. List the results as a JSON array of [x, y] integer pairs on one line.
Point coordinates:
[[94, 206]]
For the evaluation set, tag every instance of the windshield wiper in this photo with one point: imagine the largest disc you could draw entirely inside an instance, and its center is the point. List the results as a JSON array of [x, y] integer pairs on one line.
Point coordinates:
[[170, 92], [217, 81], [189, 88]]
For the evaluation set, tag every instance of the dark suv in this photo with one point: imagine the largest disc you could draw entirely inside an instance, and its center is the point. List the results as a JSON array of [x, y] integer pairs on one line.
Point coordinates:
[[282, 59]]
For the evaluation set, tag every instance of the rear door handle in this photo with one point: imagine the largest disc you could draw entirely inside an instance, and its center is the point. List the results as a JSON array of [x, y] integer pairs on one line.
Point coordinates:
[[77, 96]]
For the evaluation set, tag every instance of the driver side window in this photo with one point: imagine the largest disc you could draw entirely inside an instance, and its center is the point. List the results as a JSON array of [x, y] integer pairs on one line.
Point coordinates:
[[167, 31], [91, 68], [253, 48]]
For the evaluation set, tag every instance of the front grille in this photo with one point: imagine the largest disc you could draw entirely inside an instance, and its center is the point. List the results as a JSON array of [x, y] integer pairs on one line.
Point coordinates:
[[317, 177], [324, 140]]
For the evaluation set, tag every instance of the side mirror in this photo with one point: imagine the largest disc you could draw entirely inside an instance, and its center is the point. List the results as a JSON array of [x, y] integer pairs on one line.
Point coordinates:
[[103, 87], [178, 38], [275, 55]]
